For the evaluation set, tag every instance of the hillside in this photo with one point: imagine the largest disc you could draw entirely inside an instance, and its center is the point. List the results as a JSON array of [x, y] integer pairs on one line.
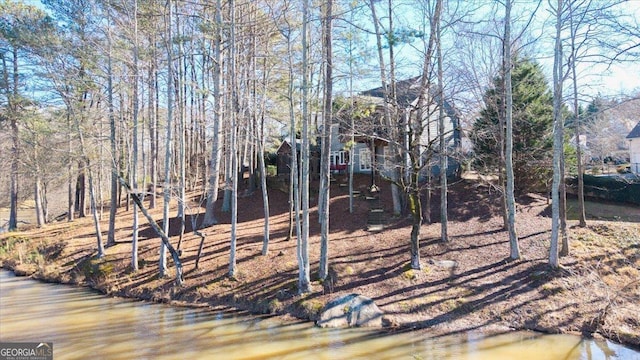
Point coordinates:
[[465, 284]]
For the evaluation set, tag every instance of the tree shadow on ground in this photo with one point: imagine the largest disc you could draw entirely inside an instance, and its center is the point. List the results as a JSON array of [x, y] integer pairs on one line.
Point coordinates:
[[467, 200]]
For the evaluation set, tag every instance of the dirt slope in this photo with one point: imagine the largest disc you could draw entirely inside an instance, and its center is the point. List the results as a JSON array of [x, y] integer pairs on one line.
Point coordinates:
[[465, 284]]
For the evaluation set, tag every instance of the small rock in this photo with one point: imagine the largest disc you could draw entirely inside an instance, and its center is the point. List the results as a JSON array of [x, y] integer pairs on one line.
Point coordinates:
[[447, 264]]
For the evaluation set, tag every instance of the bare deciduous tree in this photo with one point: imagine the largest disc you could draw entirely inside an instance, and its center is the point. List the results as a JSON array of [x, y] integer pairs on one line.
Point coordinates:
[[510, 201], [325, 174]]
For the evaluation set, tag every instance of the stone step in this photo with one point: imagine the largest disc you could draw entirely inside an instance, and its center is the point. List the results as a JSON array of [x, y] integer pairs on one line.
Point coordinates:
[[375, 227], [376, 216]]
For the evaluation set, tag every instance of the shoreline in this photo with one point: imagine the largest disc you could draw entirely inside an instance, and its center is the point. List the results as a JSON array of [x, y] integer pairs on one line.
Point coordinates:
[[254, 310], [466, 284]]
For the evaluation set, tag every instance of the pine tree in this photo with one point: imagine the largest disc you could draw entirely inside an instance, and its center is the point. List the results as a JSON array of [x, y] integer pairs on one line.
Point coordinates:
[[532, 124]]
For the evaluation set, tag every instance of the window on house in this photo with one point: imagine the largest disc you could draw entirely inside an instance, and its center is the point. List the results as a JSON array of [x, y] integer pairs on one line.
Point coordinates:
[[365, 159], [339, 160]]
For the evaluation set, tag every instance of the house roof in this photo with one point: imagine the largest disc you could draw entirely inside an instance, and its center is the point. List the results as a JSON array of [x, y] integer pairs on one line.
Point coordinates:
[[635, 133], [407, 91], [312, 147]]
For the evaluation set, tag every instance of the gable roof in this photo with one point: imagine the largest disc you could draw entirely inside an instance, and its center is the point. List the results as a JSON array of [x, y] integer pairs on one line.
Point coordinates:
[[407, 94], [312, 147], [407, 91], [635, 133]]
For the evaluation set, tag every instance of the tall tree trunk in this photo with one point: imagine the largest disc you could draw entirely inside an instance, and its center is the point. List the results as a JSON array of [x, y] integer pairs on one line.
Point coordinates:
[[414, 133], [45, 202], [234, 195], [162, 263], [80, 189], [510, 199], [557, 138], [216, 149], [153, 129], [415, 207], [426, 209], [192, 149], [564, 234], [124, 152], [37, 192], [263, 167], [326, 143], [352, 141], [99, 187], [396, 173], [15, 138], [389, 101], [229, 105], [94, 212], [304, 281], [70, 190], [182, 198], [234, 140], [581, 209], [502, 116], [294, 199], [113, 207], [13, 197], [94, 209], [263, 185], [134, 154], [444, 153]]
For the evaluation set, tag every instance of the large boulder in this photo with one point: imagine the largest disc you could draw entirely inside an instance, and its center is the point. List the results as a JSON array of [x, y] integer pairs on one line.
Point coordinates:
[[349, 311]]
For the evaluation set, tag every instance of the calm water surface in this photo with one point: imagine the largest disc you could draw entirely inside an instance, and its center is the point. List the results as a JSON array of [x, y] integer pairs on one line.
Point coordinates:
[[83, 324]]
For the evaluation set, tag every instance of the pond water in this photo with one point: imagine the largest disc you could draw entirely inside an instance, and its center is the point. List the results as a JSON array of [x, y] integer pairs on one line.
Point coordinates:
[[83, 324]]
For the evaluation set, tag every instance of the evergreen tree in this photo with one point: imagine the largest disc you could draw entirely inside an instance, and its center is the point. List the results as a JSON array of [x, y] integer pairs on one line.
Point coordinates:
[[532, 126], [24, 31]]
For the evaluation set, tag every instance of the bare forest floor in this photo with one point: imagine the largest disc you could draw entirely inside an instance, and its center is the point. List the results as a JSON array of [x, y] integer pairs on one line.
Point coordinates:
[[465, 284]]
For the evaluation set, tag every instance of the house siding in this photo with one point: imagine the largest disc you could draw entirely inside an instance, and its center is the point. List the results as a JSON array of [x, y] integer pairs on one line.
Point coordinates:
[[337, 145], [634, 148], [372, 127]]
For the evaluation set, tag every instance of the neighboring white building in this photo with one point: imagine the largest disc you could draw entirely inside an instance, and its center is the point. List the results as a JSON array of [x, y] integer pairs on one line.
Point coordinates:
[[634, 148]]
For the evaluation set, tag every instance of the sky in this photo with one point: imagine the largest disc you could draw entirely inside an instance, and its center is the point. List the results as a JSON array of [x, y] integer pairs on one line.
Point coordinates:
[[613, 81], [595, 79]]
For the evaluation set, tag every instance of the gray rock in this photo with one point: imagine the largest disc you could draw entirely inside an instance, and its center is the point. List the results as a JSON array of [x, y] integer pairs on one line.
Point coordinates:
[[351, 310], [447, 264]]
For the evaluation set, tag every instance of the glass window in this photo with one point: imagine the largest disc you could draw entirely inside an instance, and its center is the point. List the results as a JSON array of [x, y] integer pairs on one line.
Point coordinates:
[[365, 159]]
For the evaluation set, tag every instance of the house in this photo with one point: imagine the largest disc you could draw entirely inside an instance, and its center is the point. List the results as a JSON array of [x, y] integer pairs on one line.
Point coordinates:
[[634, 148], [362, 126], [284, 153], [359, 131]]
